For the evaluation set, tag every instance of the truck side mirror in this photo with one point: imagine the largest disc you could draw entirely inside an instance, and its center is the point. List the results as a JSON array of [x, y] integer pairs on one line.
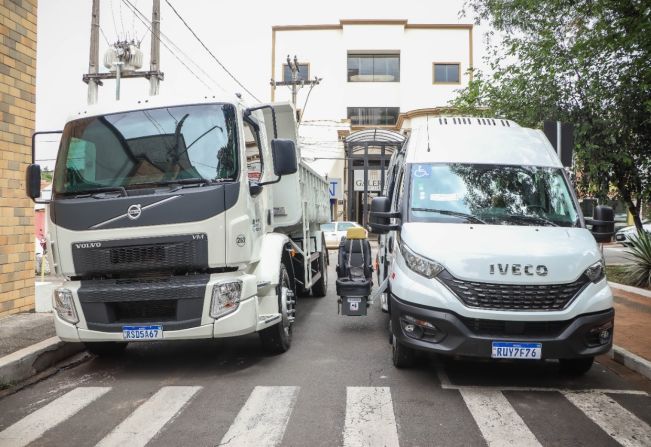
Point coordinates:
[[380, 216], [603, 223], [33, 181], [284, 157]]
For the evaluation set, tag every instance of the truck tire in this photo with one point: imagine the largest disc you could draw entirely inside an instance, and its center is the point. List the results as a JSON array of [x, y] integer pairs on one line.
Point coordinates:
[[106, 348], [576, 367], [402, 356], [278, 338], [320, 288]]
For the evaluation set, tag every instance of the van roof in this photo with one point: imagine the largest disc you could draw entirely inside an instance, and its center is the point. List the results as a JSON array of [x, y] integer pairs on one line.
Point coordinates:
[[478, 140]]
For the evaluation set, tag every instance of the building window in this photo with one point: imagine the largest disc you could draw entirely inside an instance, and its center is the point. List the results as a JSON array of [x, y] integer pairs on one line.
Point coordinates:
[[373, 116], [303, 72], [373, 67], [447, 73]]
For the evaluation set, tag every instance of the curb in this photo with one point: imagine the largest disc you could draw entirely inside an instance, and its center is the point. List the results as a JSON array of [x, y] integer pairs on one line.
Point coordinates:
[[33, 359], [631, 361], [640, 293]]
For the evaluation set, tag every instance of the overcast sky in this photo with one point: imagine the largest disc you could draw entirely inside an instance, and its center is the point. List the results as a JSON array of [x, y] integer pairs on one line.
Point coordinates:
[[237, 32]]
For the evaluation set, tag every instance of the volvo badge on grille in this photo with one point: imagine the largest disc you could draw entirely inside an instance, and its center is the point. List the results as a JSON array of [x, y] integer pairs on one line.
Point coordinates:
[[134, 211], [520, 269]]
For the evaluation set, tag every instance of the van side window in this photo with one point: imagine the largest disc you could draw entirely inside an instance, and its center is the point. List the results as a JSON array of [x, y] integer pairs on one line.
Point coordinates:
[[397, 199]]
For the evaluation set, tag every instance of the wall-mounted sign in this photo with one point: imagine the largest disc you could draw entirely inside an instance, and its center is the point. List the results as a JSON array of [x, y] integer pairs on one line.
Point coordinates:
[[373, 180], [336, 189]]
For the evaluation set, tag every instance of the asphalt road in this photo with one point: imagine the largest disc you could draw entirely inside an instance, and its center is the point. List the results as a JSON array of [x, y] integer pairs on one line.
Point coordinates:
[[616, 254], [335, 386]]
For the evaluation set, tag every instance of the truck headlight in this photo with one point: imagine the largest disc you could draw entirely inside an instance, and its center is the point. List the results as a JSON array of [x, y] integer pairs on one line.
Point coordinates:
[[417, 263], [64, 305], [596, 271], [225, 298]]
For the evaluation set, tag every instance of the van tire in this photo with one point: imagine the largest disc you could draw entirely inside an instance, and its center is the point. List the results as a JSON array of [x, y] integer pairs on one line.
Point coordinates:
[[576, 367], [106, 348], [320, 288], [278, 338], [402, 356]]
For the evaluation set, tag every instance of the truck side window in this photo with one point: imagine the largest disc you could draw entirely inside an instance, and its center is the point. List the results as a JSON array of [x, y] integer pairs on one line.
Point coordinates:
[[253, 152]]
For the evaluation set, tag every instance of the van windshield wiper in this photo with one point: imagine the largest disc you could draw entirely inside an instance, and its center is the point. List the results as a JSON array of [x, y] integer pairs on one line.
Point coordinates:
[[529, 218], [468, 217]]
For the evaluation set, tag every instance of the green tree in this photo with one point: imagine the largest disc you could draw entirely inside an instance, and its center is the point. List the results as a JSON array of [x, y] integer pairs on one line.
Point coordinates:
[[586, 62]]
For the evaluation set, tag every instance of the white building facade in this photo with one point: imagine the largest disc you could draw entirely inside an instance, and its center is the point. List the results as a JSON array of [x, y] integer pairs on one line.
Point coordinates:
[[374, 74]]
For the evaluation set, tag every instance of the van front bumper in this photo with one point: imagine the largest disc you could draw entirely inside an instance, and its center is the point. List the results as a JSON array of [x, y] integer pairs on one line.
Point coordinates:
[[445, 332]]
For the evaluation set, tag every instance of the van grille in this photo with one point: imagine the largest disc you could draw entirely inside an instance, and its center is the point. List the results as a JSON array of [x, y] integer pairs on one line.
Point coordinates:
[[546, 297], [525, 328]]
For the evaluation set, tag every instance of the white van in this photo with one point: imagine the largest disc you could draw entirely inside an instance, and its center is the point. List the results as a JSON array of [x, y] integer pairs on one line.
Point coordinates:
[[486, 250]]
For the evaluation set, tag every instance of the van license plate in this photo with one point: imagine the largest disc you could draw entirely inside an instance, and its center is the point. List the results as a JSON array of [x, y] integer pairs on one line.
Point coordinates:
[[510, 350], [135, 333]]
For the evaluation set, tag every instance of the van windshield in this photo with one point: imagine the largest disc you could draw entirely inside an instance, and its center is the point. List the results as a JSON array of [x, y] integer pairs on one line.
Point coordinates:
[[490, 194], [148, 148]]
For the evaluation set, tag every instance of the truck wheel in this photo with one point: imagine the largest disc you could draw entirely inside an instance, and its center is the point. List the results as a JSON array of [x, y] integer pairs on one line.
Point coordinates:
[[576, 367], [320, 288], [278, 338], [106, 348], [402, 356]]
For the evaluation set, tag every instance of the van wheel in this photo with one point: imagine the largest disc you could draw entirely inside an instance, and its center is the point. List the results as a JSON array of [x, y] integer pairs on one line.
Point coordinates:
[[320, 288], [106, 348], [278, 338], [402, 356], [576, 367]]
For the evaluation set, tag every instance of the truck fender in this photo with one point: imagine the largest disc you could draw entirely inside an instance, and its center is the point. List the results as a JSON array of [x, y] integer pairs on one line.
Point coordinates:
[[272, 250]]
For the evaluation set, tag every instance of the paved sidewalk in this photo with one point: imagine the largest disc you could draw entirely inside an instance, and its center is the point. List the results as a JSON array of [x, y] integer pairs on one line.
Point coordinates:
[[633, 323], [22, 330]]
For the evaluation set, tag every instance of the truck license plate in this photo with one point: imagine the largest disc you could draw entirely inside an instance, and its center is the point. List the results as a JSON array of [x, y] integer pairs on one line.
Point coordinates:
[[516, 350], [135, 333]]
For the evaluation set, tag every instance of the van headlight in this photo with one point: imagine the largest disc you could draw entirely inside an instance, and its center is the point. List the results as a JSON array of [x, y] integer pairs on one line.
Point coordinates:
[[225, 298], [64, 305], [417, 263], [596, 271]]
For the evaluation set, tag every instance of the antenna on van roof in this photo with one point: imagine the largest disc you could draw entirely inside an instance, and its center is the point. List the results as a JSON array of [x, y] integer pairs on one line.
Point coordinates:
[[427, 116]]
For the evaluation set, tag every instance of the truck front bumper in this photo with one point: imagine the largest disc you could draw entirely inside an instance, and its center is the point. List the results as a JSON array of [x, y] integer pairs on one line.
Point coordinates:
[[447, 333]]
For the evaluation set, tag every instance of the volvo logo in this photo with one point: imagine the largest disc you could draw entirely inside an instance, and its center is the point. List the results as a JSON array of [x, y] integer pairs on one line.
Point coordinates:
[[79, 246], [134, 211], [519, 269]]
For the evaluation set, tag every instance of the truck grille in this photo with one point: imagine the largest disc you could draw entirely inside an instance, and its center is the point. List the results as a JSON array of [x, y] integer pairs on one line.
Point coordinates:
[[546, 297], [175, 253]]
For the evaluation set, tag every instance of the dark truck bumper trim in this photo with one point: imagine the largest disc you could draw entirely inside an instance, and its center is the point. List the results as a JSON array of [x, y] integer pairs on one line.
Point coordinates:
[[175, 302], [457, 336]]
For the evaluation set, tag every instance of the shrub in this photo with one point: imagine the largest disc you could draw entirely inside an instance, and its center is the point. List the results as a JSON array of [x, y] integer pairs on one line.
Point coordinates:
[[639, 272]]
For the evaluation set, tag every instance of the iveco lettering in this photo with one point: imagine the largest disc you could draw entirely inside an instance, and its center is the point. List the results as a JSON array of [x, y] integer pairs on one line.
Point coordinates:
[[484, 251], [163, 223]]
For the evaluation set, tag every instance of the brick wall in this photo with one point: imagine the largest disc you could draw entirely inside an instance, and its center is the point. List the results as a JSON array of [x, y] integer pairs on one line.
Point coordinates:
[[17, 108]]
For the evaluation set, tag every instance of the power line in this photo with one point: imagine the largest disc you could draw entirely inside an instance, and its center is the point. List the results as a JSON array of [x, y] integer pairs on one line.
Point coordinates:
[[145, 21], [211, 53], [166, 46]]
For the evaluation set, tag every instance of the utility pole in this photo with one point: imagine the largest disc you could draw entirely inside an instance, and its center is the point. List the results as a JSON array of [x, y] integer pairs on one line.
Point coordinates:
[[295, 83], [154, 60], [127, 58], [93, 59]]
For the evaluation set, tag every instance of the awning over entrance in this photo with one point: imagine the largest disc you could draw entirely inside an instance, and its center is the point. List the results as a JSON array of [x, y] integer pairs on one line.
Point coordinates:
[[367, 155]]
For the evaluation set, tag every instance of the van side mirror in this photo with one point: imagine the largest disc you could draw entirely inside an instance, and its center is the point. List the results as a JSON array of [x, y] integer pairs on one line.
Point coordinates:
[[603, 223], [33, 181], [380, 216], [284, 157]]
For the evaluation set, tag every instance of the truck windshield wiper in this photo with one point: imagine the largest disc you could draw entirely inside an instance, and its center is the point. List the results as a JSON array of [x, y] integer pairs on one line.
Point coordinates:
[[529, 218], [178, 181], [93, 192], [468, 217]]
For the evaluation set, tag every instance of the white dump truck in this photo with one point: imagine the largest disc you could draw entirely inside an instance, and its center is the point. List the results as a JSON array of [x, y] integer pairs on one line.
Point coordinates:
[[178, 220], [485, 252]]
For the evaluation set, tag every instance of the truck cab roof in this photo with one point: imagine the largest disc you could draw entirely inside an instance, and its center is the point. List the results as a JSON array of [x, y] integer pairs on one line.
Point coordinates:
[[452, 139]]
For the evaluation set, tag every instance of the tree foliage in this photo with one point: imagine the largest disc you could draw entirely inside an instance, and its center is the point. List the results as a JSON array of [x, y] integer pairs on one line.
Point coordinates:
[[587, 62]]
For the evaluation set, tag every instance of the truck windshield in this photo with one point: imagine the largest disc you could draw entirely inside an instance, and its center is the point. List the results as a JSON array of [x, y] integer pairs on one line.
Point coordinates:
[[148, 148], [490, 194]]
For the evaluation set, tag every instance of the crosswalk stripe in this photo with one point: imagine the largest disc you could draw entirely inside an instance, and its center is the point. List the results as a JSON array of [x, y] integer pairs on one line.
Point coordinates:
[[33, 426], [498, 421], [262, 420], [617, 421], [370, 420], [147, 420]]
